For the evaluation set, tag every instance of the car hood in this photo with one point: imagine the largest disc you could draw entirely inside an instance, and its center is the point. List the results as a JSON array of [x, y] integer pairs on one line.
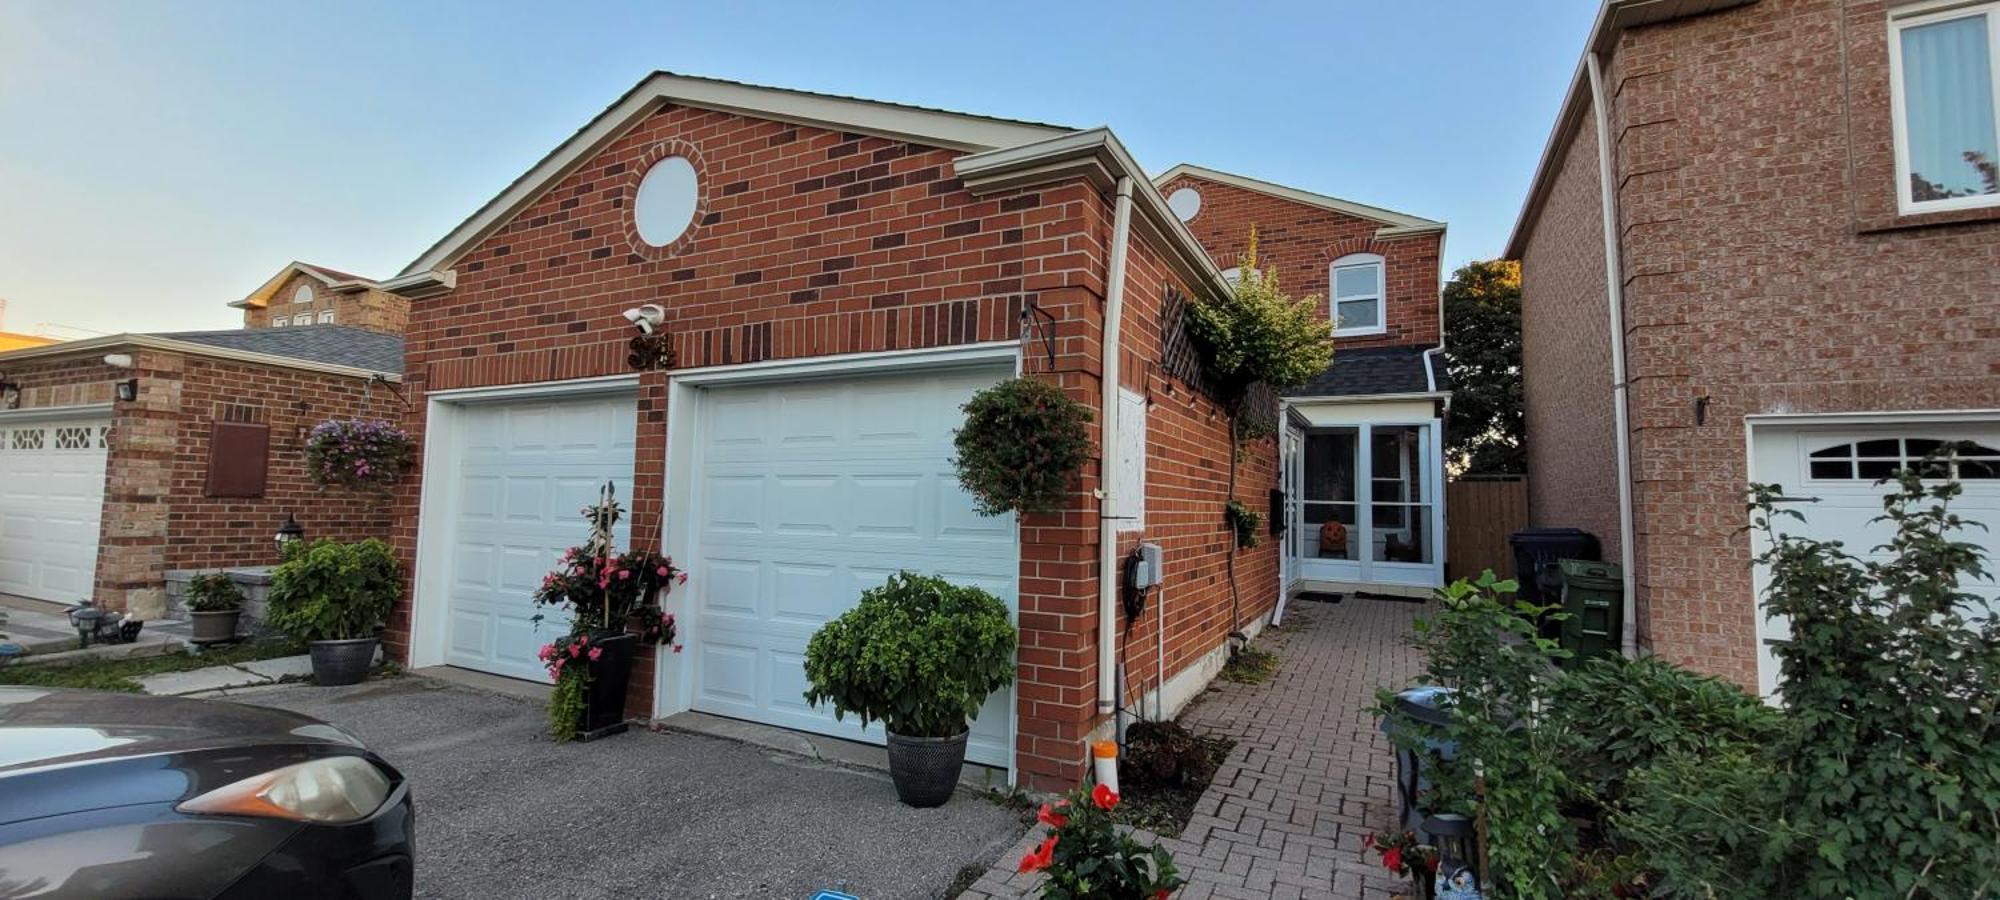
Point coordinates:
[[42, 727]]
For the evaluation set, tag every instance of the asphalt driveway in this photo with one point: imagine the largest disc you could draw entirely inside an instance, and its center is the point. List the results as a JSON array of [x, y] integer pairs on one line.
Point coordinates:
[[502, 811]]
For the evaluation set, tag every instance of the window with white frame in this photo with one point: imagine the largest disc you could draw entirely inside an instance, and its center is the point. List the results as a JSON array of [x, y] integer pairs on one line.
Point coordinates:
[[1358, 289], [1233, 274], [303, 295], [302, 319], [326, 317], [1944, 71], [279, 321]]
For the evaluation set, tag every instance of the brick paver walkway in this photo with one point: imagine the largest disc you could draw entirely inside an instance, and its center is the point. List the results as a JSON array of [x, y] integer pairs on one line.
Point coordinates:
[[1310, 775]]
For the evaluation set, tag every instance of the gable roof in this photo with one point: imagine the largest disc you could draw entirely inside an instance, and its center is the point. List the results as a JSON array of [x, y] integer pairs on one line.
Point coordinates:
[[1393, 223], [1613, 17], [332, 278], [334, 345], [916, 124], [1379, 371]]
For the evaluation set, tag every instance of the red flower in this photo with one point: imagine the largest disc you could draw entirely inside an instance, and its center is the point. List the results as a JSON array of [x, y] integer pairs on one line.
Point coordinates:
[[1392, 859], [1104, 797], [1041, 857], [1048, 816], [1162, 894]]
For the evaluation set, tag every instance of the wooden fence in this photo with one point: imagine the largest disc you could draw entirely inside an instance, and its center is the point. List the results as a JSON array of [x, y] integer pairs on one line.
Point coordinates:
[[1479, 515]]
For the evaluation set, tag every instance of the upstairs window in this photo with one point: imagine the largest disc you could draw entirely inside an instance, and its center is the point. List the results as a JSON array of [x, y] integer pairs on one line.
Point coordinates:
[[1945, 90], [303, 295], [326, 317], [1358, 289], [278, 321], [302, 319]]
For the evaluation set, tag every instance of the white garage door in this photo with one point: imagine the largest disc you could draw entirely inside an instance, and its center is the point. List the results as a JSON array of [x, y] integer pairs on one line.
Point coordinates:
[[51, 495], [1829, 476], [809, 493], [525, 470]]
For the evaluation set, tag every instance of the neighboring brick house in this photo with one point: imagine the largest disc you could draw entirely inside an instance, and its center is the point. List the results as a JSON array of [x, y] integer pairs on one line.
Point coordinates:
[[1804, 273], [302, 294], [127, 457], [834, 277], [1365, 436]]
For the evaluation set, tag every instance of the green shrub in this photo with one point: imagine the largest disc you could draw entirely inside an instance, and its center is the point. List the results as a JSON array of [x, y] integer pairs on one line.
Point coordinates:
[[1244, 521], [1706, 826], [213, 592], [333, 591], [1618, 715], [1022, 442], [1087, 857], [919, 654]]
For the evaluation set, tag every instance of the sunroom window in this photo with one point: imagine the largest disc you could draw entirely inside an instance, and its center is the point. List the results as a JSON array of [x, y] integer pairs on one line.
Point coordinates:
[[1946, 99], [1879, 458], [1357, 294]]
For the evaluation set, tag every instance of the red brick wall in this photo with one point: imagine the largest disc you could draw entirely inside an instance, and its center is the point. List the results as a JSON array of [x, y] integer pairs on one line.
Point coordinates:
[[807, 242], [1301, 241], [156, 517], [1768, 272], [371, 309]]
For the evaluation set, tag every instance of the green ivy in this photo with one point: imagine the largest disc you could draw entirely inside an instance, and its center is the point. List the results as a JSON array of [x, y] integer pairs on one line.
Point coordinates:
[[1022, 443], [566, 703], [919, 654], [1244, 521], [332, 591]]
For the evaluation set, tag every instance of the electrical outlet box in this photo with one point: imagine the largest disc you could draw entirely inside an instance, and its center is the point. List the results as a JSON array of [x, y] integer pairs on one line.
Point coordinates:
[[1149, 573]]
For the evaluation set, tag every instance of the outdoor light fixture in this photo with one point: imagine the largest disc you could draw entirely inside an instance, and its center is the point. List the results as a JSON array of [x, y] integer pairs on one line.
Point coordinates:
[[289, 532], [646, 318], [128, 390]]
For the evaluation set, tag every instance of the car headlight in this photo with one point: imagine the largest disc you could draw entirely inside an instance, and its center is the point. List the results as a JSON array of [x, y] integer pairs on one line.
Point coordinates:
[[334, 790]]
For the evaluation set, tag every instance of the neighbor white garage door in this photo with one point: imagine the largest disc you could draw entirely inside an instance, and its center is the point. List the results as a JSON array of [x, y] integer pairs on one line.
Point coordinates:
[[809, 493], [1829, 476], [51, 496], [525, 470]]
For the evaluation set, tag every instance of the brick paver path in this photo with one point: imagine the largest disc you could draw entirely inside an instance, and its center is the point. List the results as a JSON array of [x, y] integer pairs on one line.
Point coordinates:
[[1310, 775]]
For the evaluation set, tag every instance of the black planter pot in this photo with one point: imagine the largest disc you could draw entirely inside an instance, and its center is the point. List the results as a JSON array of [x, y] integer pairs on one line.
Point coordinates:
[[925, 769], [342, 662], [604, 694]]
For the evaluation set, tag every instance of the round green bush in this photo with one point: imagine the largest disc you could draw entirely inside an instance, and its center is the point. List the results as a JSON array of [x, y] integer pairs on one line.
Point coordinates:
[[1022, 442], [334, 591], [918, 654]]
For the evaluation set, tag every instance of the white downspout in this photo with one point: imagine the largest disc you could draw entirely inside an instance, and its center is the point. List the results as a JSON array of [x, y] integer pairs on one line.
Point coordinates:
[[1107, 526], [1614, 293]]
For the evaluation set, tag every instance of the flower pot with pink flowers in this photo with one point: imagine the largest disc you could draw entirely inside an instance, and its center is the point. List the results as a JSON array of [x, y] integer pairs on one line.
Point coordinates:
[[613, 604]]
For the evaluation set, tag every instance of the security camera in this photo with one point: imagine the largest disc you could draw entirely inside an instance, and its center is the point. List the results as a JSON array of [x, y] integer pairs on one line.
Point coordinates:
[[647, 317], [118, 360]]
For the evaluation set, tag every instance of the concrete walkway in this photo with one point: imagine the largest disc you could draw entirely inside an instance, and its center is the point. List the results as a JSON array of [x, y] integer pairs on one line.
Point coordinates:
[[1310, 776]]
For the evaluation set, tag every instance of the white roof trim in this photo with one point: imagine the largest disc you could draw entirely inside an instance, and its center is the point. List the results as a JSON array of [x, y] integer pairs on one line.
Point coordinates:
[[261, 297], [155, 342], [1397, 224], [931, 127]]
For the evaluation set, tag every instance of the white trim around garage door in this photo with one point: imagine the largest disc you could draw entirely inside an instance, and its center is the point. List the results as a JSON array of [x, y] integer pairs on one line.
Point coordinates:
[[45, 413], [673, 687], [430, 597]]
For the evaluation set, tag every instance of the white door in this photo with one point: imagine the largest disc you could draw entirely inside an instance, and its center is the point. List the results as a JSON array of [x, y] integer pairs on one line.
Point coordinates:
[[807, 494], [1829, 475], [51, 497], [525, 471]]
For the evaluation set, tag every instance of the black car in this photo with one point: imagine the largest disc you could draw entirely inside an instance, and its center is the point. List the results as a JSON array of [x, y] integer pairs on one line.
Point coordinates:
[[115, 795]]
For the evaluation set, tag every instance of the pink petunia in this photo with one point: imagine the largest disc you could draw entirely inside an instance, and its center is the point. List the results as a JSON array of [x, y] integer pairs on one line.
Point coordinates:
[[683, 579], [596, 652], [664, 572], [574, 649], [624, 574]]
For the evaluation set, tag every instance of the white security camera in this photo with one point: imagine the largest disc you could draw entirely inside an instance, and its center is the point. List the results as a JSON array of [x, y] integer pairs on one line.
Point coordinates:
[[118, 360], [647, 317]]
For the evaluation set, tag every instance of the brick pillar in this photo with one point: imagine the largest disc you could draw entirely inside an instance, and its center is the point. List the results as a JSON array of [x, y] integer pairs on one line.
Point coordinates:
[[132, 537]]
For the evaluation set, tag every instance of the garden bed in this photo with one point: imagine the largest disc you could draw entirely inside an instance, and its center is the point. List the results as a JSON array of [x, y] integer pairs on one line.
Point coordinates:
[[123, 674], [1166, 770]]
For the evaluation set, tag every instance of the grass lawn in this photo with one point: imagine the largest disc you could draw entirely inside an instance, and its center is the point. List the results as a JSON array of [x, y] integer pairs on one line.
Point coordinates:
[[123, 674]]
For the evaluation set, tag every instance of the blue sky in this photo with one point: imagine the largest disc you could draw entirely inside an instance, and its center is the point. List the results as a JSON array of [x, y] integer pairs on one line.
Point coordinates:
[[159, 160]]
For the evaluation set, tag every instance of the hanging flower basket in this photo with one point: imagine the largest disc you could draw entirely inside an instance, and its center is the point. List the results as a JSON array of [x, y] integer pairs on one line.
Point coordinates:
[[1021, 447], [358, 453]]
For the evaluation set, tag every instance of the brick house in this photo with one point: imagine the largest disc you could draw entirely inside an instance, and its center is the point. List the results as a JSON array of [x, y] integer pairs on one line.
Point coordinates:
[[834, 277], [304, 294], [127, 458], [1775, 225]]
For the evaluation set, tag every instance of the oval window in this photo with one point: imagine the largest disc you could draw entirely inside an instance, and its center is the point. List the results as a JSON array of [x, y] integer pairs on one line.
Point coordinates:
[[1185, 203], [665, 206], [303, 295]]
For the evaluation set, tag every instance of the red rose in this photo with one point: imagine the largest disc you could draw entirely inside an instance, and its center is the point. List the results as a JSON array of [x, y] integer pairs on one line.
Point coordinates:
[[1104, 797]]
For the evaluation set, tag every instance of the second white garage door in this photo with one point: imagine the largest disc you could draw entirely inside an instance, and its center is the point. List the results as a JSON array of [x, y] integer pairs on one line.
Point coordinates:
[[51, 499], [525, 469], [809, 493]]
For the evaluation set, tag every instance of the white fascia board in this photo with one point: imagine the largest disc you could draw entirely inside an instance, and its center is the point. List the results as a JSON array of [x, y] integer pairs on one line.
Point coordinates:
[[930, 127], [418, 285], [189, 348], [1395, 223], [1098, 155]]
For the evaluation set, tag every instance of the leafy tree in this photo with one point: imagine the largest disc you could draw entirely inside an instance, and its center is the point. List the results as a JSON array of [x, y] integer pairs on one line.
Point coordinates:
[[1482, 329]]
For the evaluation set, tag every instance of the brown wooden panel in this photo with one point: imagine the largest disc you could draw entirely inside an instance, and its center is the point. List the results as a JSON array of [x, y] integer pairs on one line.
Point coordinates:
[[1479, 516], [238, 460]]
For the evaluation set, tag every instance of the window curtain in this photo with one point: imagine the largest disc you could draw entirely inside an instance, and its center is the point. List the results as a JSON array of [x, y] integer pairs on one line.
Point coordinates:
[[1948, 108]]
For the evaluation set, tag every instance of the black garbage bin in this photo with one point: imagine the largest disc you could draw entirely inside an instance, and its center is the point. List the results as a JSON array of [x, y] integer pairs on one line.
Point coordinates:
[[1538, 555], [1422, 705]]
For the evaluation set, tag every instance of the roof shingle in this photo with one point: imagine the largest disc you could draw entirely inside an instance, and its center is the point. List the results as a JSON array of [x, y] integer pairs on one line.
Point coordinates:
[[1377, 370], [338, 345]]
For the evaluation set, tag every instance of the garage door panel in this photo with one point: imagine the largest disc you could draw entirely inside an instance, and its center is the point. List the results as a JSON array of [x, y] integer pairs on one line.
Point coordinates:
[[51, 503], [811, 494]]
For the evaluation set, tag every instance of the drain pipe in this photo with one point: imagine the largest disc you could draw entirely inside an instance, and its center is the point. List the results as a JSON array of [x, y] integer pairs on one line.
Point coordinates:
[[1614, 293], [1108, 686]]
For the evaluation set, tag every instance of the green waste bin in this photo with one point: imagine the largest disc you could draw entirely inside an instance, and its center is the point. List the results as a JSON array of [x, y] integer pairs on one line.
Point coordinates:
[[1593, 596]]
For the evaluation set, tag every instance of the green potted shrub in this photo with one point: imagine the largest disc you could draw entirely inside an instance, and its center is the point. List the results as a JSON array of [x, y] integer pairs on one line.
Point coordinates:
[[214, 604], [335, 596], [920, 655]]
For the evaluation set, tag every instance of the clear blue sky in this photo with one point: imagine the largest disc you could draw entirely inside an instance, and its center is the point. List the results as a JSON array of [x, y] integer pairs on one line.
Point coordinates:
[[159, 160]]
